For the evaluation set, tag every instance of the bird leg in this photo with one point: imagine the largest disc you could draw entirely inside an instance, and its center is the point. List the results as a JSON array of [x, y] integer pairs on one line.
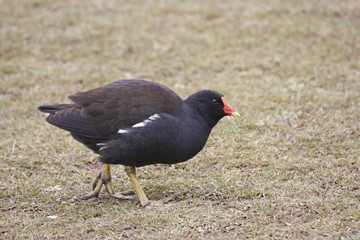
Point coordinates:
[[104, 178], [144, 201]]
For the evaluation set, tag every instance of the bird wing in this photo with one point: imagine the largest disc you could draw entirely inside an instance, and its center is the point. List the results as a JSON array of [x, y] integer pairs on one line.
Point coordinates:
[[120, 104], [75, 120]]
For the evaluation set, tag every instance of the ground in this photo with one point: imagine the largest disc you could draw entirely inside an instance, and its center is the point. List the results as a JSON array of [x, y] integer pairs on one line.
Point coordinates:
[[288, 168]]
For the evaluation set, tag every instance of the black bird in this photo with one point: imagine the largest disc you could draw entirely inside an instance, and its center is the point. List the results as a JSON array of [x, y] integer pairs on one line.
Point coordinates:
[[136, 123]]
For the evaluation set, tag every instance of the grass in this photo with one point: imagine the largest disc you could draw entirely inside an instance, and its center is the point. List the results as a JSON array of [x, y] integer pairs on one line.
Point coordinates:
[[287, 168]]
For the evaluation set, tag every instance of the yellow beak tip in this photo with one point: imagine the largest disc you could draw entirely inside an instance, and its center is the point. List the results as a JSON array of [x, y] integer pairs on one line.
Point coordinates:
[[235, 114]]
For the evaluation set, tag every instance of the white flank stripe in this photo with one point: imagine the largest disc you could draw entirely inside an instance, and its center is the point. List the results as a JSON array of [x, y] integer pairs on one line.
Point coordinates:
[[140, 124], [103, 148], [153, 117], [146, 121], [123, 131], [47, 114]]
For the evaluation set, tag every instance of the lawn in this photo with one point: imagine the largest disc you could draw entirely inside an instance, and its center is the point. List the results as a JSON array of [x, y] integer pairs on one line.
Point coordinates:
[[287, 168]]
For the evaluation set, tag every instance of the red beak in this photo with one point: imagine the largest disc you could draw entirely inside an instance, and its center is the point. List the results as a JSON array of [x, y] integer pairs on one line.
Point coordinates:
[[229, 110]]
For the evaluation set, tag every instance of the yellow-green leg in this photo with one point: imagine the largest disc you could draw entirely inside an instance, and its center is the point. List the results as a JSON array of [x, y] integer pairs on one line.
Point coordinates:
[[144, 201], [104, 178]]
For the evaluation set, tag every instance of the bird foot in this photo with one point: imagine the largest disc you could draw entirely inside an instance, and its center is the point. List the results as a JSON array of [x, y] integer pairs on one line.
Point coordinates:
[[126, 195], [88, 196], [97, 185], [160, 203], [120, 195]]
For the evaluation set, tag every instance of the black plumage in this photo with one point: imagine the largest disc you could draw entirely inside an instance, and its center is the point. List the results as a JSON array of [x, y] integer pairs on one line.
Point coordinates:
[[136, 122]]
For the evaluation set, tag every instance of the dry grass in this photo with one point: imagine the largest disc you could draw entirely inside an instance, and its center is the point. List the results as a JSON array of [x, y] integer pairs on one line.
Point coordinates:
[[288, 168]]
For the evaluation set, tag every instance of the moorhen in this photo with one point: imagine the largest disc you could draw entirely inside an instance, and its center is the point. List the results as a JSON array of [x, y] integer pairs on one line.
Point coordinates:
[[136, 123]]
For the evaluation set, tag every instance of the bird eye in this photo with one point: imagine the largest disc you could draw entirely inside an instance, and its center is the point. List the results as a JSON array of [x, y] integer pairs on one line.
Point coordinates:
[[214, 101]]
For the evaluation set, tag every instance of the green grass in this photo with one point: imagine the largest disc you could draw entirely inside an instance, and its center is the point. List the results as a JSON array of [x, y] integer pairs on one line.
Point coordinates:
[[288, 168]]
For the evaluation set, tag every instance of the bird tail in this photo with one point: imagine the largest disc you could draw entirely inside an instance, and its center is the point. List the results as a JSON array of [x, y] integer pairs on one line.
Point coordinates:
[[54, 108]]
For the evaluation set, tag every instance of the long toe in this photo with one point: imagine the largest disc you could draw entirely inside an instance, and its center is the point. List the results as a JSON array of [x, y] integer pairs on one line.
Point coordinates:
[[96, 191], [87, 197], [161, 202], [128, 192], [126, 195]]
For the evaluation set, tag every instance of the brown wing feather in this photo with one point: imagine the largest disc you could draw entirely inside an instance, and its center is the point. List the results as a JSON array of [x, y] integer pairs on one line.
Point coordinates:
[[124, 103], [74, 120]]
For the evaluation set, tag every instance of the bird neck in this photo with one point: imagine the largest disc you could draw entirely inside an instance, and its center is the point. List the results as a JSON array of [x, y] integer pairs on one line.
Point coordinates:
[[192, 110]]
